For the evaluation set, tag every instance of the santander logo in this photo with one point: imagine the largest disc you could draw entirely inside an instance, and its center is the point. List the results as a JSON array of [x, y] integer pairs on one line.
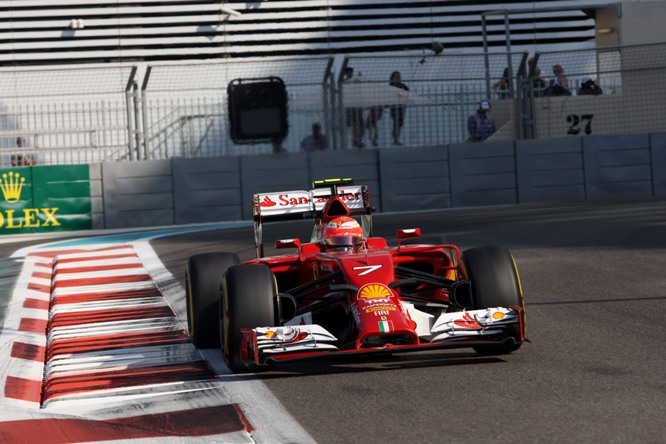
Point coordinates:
[[345, 197], [285, 200], [267, 202], [467, 322]]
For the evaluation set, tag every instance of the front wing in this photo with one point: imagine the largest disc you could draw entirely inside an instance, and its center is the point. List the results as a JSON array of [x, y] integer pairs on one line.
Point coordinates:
[[264, 345]]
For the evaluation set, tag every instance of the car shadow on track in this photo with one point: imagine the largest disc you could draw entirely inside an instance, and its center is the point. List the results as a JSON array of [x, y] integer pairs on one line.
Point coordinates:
[[341, 365]]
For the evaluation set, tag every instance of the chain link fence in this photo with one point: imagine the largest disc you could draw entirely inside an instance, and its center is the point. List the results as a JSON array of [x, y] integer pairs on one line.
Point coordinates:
[[184, 106], [116, 113], [64, 115], [609, 91], [444, 90]]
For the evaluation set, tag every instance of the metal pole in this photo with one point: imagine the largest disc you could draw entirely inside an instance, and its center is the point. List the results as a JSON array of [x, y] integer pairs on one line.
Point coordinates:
[[144, 114], [130, 124], [137, 121], [485, 52], [507, 32]]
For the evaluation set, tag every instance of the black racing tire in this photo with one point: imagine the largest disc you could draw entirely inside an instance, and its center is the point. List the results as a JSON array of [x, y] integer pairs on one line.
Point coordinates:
[[249, 298], [202, 296], [495, 283]]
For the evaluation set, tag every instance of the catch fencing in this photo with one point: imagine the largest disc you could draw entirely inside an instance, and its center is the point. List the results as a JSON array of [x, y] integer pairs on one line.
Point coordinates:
[[184, 106], [102, 113], [66, 115], [632, 98]]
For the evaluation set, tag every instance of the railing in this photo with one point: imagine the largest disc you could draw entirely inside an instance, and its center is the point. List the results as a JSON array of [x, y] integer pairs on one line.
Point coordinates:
[[118, 113]]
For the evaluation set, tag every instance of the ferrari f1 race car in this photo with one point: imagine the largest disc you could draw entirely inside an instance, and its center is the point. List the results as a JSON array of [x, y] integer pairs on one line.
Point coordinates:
[[346, 292]]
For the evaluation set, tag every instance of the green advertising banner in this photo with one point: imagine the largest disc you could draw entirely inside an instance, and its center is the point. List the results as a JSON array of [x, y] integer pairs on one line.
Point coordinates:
[[45, 198]]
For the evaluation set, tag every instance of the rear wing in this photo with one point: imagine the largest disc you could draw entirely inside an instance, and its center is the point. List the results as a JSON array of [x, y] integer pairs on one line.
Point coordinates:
[[300, 204], [307, 204]]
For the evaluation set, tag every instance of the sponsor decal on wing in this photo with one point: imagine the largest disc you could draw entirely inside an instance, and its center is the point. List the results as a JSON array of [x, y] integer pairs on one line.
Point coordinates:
[[285, 202], [267, 202], [293, 338], [484, 322], [351, 195], [466, 322]]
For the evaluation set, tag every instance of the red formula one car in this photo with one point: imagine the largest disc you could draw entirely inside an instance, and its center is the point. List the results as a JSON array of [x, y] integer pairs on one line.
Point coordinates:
[[347, 292]]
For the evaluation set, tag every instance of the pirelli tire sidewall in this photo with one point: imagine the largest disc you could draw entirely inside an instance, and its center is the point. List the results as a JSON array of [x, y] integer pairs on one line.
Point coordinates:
[[249, 297], [203, 278]]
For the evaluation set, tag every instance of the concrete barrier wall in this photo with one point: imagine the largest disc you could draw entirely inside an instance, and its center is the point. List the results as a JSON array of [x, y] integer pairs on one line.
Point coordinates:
[[550, 170], [414, 178], [96, 195], [483, 174], [658, 156], [617, 167], [181, 191], [207, 190], [138, 194]]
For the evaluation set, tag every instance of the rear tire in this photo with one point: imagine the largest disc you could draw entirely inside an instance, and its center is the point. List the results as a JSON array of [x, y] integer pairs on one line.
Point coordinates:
[[495, 283], [249, 297], [203, 278]]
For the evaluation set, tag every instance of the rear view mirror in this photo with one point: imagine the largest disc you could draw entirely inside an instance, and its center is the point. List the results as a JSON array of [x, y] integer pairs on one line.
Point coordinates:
[[287, 243], [407, 233]]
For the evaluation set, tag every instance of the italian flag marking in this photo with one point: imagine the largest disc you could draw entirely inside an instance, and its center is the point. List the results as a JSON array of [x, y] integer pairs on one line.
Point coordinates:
[[385, 326]]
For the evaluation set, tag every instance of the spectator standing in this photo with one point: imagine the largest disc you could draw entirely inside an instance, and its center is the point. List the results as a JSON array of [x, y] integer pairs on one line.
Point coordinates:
[[354, 116], [397, 111], [502, 86], [480, 125], [20, 159], [560, 78], [559, 86], [315, 141], [589, 87], [374, 116], [538, 83]]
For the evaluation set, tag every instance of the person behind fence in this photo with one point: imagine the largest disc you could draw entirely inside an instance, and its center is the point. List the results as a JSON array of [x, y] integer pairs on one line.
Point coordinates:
[[315, 141], [480, 125], [354, 116], [501, 87], [559, 86], [589, 87], [397, 111], [374, 116], [22, 159], [538, 83]]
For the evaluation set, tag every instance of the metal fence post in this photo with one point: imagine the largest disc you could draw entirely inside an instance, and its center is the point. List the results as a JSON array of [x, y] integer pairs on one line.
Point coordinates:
[[129, 105], [145, 114]]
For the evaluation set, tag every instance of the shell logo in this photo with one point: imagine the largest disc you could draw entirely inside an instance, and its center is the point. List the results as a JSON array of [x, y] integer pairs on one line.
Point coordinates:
[[498, 315], [374, 291]]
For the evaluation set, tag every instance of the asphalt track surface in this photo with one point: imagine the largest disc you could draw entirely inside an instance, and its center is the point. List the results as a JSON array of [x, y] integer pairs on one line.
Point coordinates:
[[594, 368]]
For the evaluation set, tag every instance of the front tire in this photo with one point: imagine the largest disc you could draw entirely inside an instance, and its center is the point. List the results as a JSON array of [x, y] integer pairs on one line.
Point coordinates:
[[495, 283], [203, 278], [249, 297]]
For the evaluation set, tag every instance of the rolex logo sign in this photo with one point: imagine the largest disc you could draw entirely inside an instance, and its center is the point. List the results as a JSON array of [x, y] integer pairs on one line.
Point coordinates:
[[11, 185], [45, 198]]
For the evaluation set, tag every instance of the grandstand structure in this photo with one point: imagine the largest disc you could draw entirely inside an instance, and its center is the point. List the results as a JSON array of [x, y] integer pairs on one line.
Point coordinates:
[[35, 32], [85, 81]]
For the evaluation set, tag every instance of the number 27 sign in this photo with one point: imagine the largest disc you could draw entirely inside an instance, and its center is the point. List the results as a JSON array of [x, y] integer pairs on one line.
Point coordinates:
[[577, 121]]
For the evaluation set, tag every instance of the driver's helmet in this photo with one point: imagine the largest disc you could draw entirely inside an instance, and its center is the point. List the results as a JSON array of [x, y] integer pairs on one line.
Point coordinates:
[[342, 234]]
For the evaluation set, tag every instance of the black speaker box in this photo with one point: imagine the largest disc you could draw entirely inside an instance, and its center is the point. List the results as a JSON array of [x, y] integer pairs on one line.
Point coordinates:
[[258, 110]]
